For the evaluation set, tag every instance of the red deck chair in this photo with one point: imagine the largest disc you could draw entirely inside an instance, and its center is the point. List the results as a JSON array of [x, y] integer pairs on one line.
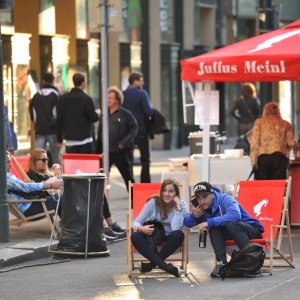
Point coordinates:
[[18, 165], [140, 193], [267, 201], [73, 163]]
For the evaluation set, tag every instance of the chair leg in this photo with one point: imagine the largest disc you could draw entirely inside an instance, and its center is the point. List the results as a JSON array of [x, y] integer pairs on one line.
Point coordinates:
[[271, 249], [47, 215]]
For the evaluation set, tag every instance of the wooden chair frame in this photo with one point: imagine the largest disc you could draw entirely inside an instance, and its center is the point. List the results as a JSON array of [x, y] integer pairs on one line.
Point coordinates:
[[132, 260], [20, 218], [274, 243]]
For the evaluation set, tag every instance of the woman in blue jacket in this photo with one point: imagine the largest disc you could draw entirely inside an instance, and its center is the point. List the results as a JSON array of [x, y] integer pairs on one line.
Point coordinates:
[[224, 219]]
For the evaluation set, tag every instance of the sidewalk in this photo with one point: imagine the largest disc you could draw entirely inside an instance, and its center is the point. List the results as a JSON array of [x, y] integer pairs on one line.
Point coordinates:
[[31, 241]]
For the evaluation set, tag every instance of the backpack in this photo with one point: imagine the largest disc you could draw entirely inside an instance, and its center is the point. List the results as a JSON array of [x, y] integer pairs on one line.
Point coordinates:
[[245, 262]]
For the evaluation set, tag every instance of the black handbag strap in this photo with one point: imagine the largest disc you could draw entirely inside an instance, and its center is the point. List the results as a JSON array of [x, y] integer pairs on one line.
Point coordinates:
[[248, 110]]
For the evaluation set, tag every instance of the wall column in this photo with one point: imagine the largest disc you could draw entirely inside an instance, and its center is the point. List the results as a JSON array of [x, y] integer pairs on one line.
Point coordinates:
[[155, 63]]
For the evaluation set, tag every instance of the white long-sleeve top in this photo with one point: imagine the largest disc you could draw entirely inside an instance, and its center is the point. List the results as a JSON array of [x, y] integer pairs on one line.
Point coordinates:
[[150, 211]]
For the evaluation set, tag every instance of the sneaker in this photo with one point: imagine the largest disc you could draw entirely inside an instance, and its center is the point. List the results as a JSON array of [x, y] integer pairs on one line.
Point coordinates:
[[109, 235], [116, 229], [145, 267], [216, 271], [174, 270]]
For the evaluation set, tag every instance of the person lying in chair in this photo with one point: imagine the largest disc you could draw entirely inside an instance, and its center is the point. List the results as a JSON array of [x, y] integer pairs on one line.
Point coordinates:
[[223, 218], [169, 209], [17, 189]]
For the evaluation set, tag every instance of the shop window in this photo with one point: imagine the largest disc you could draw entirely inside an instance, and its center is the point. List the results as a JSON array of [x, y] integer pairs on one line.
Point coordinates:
[[132, 20], [81, 19], [46, 17], [167, 21]]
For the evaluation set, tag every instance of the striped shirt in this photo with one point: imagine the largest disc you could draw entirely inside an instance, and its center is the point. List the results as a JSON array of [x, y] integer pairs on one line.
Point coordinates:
[[15, 184]]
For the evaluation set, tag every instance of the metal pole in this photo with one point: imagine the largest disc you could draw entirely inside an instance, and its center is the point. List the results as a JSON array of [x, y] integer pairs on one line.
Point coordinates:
[[265, 21], [4, 232], [103, 37]]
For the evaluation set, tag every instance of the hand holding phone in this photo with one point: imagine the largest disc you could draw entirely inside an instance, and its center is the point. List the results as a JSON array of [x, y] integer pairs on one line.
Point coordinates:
[[195, 202]]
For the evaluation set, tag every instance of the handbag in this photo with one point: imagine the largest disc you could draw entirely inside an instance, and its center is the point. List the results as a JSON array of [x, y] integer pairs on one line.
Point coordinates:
[[158, 236]]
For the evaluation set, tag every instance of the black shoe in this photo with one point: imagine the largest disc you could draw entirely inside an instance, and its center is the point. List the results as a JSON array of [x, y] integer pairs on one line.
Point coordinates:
[[116, 229], [174, 270], [216, 271], [109, 235], [145, 267], [258, 273]]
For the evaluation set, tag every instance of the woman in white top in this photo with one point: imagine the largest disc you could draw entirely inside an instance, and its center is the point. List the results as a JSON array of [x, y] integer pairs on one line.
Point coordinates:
[[170, 210]]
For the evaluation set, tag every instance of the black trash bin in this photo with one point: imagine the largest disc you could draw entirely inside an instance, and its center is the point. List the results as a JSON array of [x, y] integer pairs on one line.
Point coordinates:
[[82, 218]]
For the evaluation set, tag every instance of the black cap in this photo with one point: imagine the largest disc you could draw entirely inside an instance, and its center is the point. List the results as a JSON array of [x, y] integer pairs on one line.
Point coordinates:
[[202, 187]]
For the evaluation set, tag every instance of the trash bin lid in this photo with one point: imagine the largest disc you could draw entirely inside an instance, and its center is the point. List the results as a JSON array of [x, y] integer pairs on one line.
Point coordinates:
[[84, 176]]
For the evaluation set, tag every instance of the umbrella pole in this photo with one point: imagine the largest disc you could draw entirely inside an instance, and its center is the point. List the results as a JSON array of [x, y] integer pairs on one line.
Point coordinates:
[[205, 142]]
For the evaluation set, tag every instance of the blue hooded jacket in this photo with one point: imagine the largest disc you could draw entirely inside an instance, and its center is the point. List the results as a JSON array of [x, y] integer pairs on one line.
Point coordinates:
[[225, 209]]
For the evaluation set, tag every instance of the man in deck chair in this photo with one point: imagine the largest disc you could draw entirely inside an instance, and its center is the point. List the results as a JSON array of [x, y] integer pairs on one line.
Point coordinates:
[[224, 219], [17, 189]]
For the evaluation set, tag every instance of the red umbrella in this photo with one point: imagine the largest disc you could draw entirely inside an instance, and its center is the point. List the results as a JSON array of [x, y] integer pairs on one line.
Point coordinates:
[[273, 56]]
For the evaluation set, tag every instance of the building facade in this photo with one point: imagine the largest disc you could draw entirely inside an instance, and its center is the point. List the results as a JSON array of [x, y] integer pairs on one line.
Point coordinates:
[[53, 36]]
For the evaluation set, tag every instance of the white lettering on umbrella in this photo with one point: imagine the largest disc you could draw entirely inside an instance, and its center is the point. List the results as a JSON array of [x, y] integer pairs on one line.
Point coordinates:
[[215, 68], [253, 67], [276, 39]]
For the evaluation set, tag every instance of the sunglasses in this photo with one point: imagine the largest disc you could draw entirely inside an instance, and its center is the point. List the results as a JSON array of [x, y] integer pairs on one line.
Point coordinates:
[[44, 160]]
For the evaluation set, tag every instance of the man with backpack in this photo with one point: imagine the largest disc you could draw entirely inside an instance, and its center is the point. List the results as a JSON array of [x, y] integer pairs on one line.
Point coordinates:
[[224, 219], [42, 109]]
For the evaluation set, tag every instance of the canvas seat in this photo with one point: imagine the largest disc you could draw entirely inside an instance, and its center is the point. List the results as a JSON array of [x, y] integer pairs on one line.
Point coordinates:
[[73, 163], [267, 201], [17, 164], [139, 193]]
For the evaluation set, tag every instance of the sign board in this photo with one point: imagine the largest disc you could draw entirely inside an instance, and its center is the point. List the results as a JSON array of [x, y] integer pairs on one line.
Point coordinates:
[[114, 15], [207, 107]]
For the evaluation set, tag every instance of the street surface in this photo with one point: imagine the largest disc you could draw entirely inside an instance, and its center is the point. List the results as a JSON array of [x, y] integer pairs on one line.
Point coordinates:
[[106, 278]]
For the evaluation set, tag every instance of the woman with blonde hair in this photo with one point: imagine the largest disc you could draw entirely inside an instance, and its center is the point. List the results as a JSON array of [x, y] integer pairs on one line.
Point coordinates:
[[37, 169], [271, 142], [170, 210], [246, 109]]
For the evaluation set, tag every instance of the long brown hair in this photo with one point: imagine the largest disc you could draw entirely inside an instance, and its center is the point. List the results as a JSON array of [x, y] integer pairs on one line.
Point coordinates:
[[163, 209], [34, 156]]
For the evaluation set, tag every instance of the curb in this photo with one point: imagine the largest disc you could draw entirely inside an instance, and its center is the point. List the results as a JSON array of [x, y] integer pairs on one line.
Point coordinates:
[[20, 253]]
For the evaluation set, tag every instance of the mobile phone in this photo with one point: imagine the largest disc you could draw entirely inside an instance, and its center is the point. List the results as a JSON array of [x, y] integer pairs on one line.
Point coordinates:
[[195, 202]]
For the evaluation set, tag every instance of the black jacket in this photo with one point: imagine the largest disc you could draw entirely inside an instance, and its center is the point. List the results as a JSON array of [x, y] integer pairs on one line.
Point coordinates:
[[246, 110], [122, 130], [75, 115], [42, 109]]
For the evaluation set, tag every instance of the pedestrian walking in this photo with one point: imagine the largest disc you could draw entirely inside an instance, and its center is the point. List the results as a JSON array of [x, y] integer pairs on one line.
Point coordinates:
[[122, 131], [137, 101], [43, 113], [271, 141], [246, 109], [75, 117]]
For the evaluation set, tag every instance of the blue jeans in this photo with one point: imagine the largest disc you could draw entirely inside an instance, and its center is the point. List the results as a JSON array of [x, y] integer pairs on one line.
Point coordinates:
[[173, 242], [41, 142], [37, 208]]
